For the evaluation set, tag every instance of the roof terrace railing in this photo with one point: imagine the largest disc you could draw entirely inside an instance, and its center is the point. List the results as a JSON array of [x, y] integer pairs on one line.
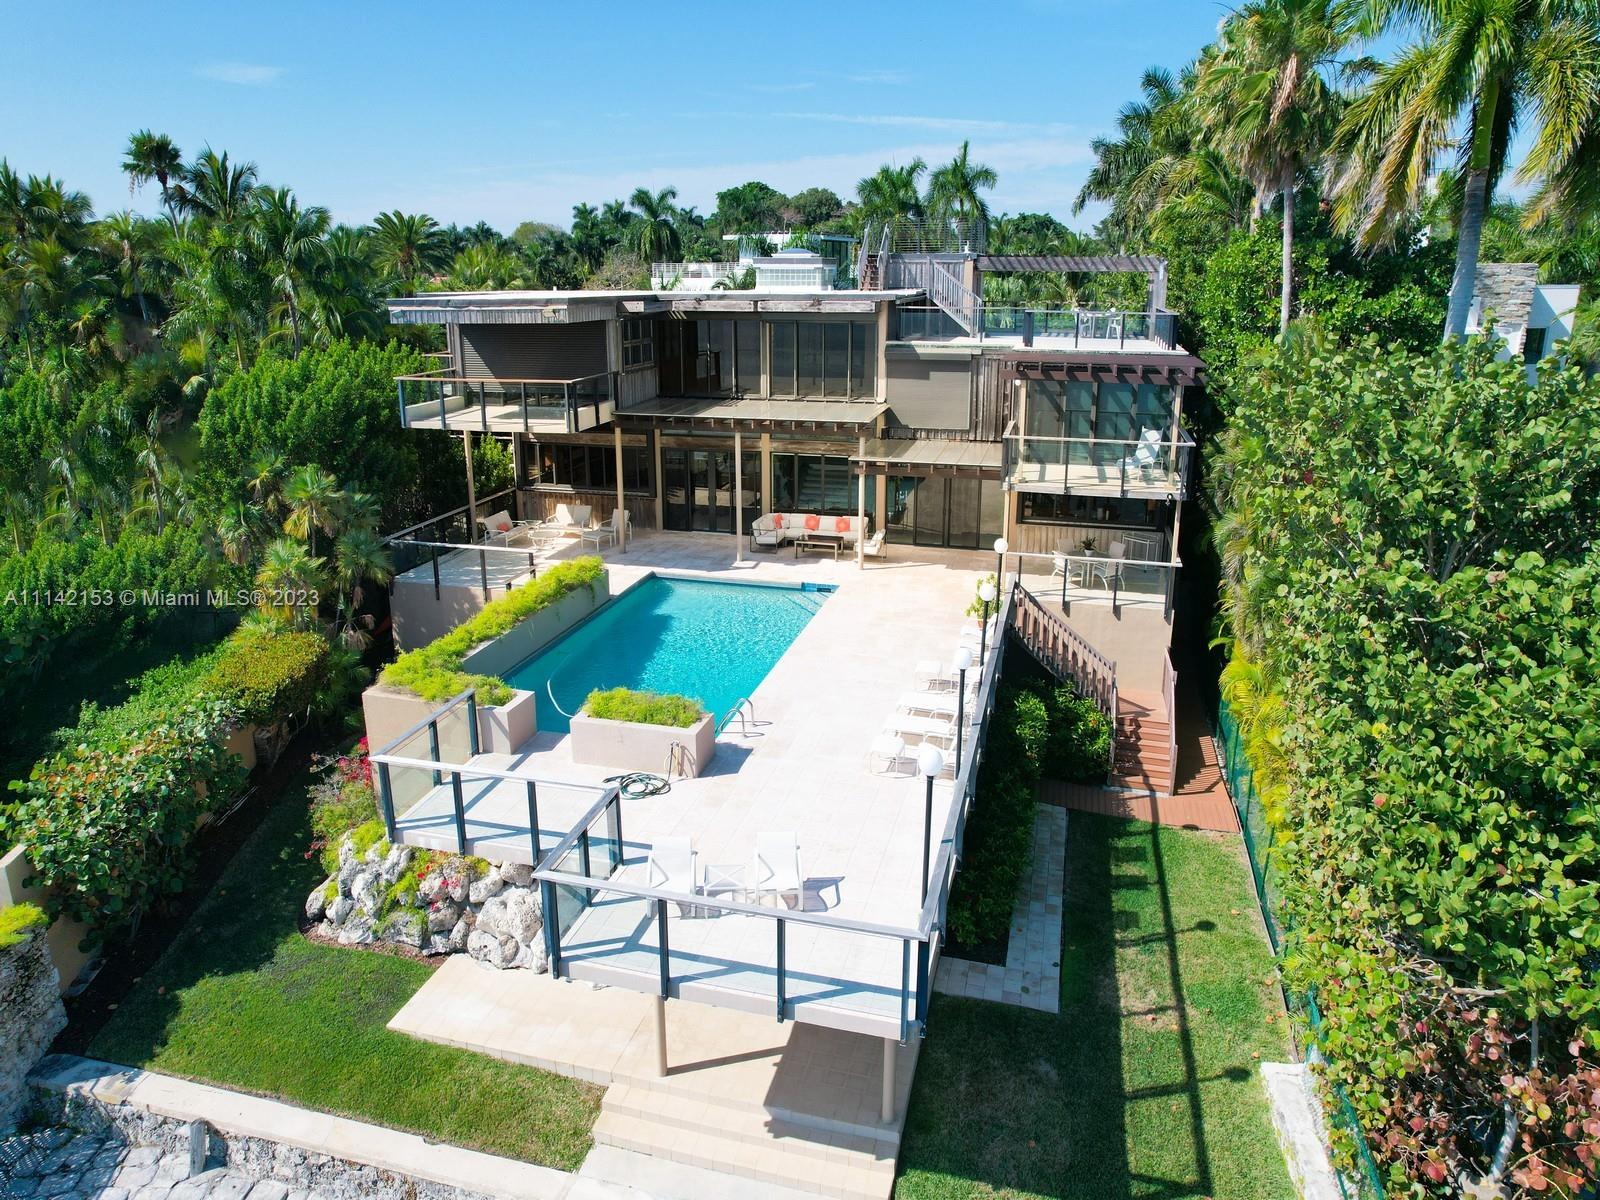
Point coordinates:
[[1139, 467], [585, 402], [1074, 328]]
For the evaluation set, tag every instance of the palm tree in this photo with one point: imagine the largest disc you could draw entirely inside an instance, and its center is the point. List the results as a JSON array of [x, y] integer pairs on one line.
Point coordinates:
[[892, 193], [312, 498], [291, 576], [215, 189], [407, 246], [589, 235], [1263, 99], [953, 193], [266, 476], [485, 268], [153, 156], [1478, 68], [656, 234], [241, 528], [359, 556], [288, 242]]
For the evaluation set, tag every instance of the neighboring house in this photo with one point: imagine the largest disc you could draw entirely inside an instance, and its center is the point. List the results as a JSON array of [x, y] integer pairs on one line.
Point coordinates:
[[944, 421], [1529, 316]]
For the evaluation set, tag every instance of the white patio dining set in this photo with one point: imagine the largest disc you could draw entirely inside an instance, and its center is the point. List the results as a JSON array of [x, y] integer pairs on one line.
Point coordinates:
[[568, 521], [944, 708]]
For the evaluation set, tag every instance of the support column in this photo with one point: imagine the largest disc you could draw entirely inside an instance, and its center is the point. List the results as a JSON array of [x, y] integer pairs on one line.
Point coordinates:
[[766, 473], [660, 483], [472, 491], [886, 1109], [621, 526], [738, 497], [661, 1036], [861, 504], [518, 446]]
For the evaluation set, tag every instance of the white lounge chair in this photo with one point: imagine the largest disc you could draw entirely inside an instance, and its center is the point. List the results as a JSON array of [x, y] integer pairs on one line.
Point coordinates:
[[940, 730], [671, 868], [937, 704], [1146, 455], [775, 870], [570, 518], [1109, 571], [874, 546], [886, 753], [619, 523], [767, 531]]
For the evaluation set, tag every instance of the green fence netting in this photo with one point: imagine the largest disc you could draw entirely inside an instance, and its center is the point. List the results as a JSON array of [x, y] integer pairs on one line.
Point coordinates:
[[1362, 1181]]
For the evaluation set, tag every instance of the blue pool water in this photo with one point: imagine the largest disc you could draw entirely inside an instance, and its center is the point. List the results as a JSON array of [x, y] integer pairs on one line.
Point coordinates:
[[712, 641]]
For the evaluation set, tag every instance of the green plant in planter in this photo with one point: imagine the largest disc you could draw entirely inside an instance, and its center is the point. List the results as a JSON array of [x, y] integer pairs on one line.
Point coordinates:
[[18, 921], [975, 609], [644, 708]]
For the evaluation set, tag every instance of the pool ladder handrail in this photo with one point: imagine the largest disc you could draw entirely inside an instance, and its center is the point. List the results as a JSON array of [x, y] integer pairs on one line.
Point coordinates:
[[738, 710], [682, 757]]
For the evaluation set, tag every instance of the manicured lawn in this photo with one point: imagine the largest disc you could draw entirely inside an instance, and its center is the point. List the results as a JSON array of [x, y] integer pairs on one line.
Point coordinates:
[[241, 999], [1146, 1084]]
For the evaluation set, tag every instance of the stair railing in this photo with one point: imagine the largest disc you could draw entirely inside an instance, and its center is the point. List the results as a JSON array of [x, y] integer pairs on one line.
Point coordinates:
[[1065, 652], [740, 709]]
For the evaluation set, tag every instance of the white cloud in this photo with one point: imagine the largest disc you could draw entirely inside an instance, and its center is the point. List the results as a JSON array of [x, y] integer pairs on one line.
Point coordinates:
[[244, 74], [888, 77], [962, 125]]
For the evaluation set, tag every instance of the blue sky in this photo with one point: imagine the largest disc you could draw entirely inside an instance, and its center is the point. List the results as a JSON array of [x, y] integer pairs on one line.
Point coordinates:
[[511, 112]]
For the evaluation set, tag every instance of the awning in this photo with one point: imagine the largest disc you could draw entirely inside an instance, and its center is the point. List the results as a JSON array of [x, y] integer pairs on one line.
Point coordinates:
[[908, 456]]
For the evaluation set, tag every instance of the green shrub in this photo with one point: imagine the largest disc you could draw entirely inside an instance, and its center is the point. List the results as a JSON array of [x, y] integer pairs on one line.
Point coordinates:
[[108, 823], [434, 671], [1078, 749], [999, 837], [264, 676], [644, 708], [342, 800], [18, 921]]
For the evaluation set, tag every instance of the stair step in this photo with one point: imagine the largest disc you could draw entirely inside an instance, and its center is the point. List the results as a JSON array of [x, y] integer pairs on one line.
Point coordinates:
[[820, 1167], [757, 1125]]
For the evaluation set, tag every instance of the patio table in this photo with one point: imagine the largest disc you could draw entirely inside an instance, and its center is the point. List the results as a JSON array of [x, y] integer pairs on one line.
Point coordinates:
[[830, 543]]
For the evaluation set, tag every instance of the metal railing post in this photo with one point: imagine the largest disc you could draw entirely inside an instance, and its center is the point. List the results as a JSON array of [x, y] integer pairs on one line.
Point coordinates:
[[533, 820], [400, 390], [782, 997], [433, 750], [483, 410], [583, 853], [444, 413], [483, 573], [434, 559], [663, 952], [905, 991], [924, 949], [552, 931], [386, 800], [524, 388], [461, 813], [472, 722]]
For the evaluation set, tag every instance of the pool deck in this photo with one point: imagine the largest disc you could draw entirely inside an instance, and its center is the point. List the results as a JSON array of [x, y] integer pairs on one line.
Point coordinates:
[[800, 767]]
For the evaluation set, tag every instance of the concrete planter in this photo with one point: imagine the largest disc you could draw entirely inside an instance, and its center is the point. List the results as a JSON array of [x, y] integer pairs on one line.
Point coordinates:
[[502, 728], [633, 747]]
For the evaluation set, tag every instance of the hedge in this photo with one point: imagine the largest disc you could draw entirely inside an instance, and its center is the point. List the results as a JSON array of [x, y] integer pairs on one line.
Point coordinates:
[[644, 708], [434, 671], [108, 817]]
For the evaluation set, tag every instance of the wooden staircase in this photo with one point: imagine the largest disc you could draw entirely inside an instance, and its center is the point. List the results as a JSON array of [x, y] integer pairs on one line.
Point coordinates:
[[1143, 760]]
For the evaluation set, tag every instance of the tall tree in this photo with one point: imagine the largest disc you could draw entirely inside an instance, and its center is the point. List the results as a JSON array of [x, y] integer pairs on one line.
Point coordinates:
[[1264, 98], [953, 193], [216, 189], [656, 234], [407, 246], [289, 242], [1474, 68], [892, 193], [153, 157]]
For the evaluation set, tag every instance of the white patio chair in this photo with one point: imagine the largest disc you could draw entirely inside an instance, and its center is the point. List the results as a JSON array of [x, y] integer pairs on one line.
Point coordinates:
[[671, 868], [775, 869], [939, 730], [935, 675], [874, 546], [1146, 455], [1108, 572], [886, 753], [601, 534]]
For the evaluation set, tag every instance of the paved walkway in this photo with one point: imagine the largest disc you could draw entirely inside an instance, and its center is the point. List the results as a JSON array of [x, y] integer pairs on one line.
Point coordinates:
[[1031, 977]]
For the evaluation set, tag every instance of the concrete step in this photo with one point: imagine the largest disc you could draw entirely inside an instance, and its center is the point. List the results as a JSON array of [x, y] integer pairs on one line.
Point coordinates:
[[778, 1160], [755, 1123]]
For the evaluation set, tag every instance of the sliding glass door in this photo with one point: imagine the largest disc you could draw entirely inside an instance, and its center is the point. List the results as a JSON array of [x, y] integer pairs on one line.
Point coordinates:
[[961, 514], [698, 490]]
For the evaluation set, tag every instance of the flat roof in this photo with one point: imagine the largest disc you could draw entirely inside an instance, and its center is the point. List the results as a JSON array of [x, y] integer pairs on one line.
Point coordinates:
[[570, 307], [944, 457]]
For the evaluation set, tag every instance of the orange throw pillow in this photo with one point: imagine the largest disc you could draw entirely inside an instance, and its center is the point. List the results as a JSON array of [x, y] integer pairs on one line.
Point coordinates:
[[813, 522], [842, 525], [777, 520]]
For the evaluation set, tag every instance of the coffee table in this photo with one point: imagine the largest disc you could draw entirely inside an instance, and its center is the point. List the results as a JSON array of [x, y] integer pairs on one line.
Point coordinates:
[[820, 543]]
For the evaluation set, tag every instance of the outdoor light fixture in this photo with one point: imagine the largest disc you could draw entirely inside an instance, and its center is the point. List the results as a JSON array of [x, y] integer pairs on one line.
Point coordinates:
[[930, 761], [986, 593], [1000, 548], [962, 662]]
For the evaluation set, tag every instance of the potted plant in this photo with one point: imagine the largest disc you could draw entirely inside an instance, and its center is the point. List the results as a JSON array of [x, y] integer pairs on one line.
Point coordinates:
[[1087, 546]]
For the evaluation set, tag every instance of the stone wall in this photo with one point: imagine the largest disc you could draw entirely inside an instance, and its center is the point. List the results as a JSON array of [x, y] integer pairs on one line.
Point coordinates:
[[31, 1015]]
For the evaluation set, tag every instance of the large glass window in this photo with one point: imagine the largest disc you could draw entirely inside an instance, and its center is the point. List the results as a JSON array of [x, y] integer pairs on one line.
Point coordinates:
[[813, 483], [962, 513], [1049, 508], [864, 358], [782, 338], [836, 360], [748, 357], [808, 359], [591, 468], [638, 342]]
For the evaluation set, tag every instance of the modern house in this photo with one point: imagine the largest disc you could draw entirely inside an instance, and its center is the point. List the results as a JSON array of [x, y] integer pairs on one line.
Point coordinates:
[[944, 421], [1529, 317], [799, 869]]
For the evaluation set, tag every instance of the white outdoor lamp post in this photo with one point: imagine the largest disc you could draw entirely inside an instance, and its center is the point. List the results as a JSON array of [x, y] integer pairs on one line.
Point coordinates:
[[986, 593], [930, 761], [1000, 548], [963, 660]]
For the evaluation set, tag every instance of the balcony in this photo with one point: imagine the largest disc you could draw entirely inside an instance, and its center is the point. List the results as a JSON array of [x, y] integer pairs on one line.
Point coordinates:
[[1132, 468], [441, 400], [1111, 330]]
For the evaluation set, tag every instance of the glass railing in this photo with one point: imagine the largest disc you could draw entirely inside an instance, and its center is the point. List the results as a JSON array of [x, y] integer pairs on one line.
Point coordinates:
[[1067, 576], [1102, 466], [1095, 328], [438, 400]]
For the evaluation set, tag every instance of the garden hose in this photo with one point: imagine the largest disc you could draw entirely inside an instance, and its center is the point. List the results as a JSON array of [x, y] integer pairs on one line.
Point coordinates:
[[640, 783]]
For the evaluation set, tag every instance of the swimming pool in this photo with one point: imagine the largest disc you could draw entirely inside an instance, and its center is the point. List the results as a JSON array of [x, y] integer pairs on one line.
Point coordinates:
[[712, 641]]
